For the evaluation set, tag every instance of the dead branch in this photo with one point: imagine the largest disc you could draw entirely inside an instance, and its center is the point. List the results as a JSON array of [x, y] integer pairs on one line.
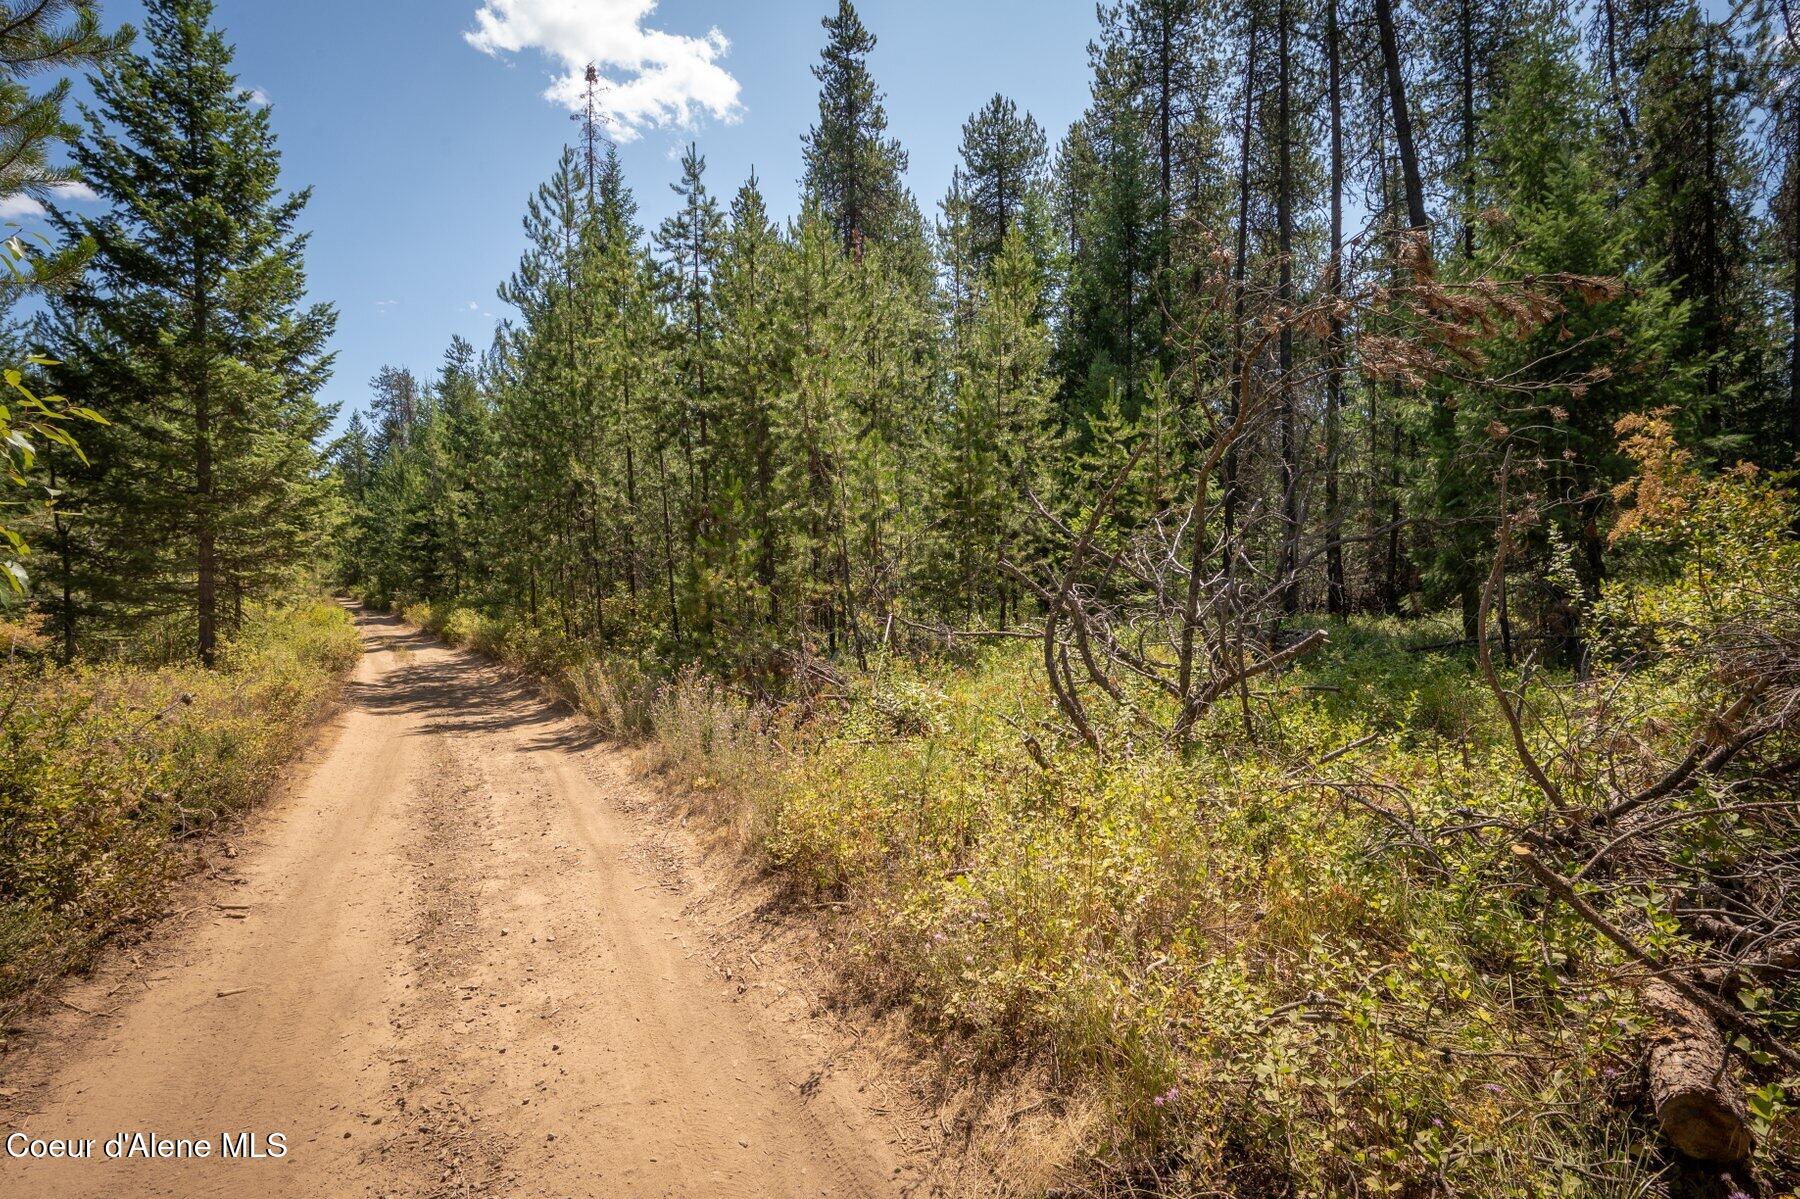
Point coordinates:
[[1485, 655], [1718, 1009]]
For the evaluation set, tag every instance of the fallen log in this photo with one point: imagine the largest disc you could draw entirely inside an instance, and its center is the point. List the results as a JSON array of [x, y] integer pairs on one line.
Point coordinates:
[[1698, 1104], [1774, 965]]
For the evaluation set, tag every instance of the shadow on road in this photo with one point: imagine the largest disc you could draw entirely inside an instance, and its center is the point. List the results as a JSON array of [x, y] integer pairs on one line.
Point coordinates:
[[458, 692]]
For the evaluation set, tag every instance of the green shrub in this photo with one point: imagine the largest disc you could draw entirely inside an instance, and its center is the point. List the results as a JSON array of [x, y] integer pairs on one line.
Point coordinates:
[[1264, 991]]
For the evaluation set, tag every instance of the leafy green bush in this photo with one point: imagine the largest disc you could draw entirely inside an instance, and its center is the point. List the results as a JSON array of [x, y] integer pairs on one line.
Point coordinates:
[[104, 769]]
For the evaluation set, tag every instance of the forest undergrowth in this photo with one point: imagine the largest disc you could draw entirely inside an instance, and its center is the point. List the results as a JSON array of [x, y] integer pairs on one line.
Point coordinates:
[[1270, 612], [1300, 957]]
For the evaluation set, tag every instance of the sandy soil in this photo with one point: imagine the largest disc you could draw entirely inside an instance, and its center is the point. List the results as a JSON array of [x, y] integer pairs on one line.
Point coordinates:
[[453, 958]]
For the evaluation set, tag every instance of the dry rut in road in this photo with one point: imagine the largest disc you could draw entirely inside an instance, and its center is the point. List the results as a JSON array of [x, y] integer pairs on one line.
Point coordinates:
[[444, 963]]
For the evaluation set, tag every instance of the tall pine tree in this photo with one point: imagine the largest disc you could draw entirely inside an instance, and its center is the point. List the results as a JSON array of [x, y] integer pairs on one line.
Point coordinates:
[[853, 169], [192, 329], [1002, 174]]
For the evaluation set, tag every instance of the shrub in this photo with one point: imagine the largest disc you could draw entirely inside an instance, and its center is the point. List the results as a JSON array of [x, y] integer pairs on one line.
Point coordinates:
[[1264, 992]]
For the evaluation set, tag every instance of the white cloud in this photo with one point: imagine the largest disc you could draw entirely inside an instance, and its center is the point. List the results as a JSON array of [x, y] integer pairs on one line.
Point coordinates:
[[665, 78], [259, 98], [21, 205]]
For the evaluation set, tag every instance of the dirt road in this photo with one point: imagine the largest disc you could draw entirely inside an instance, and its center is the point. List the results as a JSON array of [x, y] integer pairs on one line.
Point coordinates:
[[448, 961]]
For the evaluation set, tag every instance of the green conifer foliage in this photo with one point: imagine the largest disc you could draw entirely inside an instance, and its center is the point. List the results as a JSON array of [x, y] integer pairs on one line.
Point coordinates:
[[853, 169], [192, 329]]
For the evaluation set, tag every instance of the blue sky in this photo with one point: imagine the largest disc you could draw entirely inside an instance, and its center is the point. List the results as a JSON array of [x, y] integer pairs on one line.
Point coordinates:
[[422, 148]]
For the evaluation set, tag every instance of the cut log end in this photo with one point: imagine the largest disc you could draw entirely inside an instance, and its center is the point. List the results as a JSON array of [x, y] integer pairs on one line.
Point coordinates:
[[1704, 1127]]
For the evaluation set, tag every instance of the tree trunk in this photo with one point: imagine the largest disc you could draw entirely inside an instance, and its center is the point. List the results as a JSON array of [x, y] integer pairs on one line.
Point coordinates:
[[1240, 268], [1612, 73], [1284, 220], [1388, 590], [662, 474], [1165, 103], [1793, 171], [631, 580], [1466, 22], [1337, 599], [1131, 297], [1713, 419], [205, 539], [1403, 133], [1792, 115]]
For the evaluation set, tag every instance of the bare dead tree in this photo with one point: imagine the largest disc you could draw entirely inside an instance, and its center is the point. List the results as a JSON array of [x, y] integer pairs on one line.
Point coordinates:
[[1165, 614]]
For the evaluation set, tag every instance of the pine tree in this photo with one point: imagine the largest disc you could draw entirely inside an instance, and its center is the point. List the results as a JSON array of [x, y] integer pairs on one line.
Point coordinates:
[[1231, 467], [753, 369], [814, 433], [548, 425], [618, 207], [1545, 155], [1467, 45], [394, 402], [427, 487], [995, 446], [958, 266], [1694, 209], [37, 36], [460, 423], [191, 328], [1779, 70], [688, 242], [854, 171], [739, 442], [351, 456], [398, 559], [40, 37], [1337, 588], [1113, 333], [639, 421], [1288, 414], [1001, 175], [1400, 113], [351, 460]]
